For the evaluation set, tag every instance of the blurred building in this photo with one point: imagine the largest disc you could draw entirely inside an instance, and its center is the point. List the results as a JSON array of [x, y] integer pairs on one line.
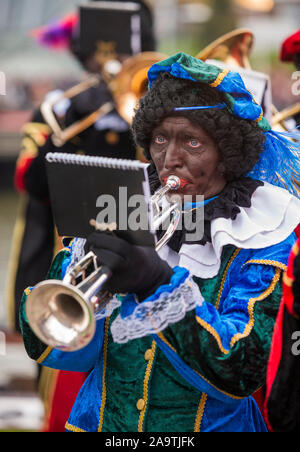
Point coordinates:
[[29, 70], [181, 25], [19, 54]]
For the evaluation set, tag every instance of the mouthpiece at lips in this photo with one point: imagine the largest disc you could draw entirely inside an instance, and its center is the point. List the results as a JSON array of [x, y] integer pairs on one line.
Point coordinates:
[[183, 182]]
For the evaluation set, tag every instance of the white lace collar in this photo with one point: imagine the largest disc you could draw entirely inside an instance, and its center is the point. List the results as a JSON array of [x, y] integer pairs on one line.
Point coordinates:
[[272, 217]]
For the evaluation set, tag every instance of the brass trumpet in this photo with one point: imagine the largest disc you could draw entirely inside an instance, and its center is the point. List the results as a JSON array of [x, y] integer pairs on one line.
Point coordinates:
[[234, 49], [127, 82], [62, 313]]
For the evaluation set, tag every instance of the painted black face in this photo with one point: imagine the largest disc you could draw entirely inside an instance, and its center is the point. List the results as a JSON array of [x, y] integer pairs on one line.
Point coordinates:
[[180, 147]]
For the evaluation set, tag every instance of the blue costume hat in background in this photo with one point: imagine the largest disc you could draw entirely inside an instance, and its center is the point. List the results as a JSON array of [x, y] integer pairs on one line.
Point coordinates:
[[279, 163]]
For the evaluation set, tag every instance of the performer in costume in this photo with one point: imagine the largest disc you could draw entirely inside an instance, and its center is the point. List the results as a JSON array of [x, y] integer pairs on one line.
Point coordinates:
[[290, 53], [290, 49], [282, 405], [188, 343], [35, 242], [107, 136]]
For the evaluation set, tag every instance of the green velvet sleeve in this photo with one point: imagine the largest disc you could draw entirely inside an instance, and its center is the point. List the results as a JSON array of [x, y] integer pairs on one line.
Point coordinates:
[[34, 347], [227, 340]]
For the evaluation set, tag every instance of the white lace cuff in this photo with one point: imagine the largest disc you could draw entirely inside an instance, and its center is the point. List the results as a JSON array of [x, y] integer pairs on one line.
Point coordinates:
[[113, 304], [168, 305]]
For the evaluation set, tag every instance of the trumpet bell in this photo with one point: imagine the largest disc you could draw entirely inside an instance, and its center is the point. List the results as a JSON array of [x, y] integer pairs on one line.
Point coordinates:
[[131, 83], [233, 48], [60, 316], [61, 313]]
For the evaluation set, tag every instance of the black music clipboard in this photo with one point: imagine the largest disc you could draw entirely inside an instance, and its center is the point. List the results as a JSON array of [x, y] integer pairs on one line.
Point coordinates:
[[83, 190]]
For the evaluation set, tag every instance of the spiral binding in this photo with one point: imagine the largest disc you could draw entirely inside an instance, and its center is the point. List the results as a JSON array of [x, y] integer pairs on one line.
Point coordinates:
[[87, 160]]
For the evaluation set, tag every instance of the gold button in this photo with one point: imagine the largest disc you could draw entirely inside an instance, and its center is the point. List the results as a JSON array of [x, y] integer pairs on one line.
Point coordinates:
[[140, 404], [112, 138], [148, 354]]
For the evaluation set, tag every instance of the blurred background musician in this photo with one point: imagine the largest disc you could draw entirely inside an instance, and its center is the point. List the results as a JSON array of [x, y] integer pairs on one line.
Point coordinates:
[[282, 403], [106, 135], [290, 53], [73, 121]]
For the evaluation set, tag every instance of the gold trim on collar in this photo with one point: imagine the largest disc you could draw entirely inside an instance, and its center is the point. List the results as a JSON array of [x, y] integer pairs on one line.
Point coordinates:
[[267, 262]]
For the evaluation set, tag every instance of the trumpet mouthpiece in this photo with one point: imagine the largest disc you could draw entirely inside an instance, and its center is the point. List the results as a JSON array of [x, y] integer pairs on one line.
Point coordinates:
[[174, 182]]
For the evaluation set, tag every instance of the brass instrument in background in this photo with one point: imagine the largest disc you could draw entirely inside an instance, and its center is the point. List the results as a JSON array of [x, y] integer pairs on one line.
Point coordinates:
[[127, 82], [279, 117], [131, 83], [234, 49], [62, 313], [61, 136]]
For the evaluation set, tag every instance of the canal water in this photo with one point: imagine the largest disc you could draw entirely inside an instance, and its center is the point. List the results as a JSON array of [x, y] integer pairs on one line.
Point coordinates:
[[9, 201]]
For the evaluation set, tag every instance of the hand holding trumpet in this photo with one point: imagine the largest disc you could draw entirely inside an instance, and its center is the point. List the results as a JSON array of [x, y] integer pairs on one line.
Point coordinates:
[[135, 269]]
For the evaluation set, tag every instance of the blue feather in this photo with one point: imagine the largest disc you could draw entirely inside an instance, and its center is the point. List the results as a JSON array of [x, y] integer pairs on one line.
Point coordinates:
[[279, 163]]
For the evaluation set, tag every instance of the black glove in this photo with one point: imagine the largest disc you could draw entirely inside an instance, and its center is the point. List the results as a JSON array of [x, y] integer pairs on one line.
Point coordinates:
[[136, 269]]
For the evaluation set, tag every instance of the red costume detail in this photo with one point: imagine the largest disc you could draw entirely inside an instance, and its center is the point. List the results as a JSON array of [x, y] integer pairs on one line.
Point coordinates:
[[290, 47]]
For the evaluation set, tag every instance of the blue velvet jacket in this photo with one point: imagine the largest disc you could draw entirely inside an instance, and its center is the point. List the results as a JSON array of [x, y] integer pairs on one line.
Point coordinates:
[[197, 373]]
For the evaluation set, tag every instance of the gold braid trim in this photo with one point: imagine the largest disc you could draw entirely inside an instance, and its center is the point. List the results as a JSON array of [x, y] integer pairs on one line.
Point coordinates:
[[162, 337], [204, 324], [214, 333], [267, 262], [146, 383], [225, 275], [72, 428], [260, 117], [219, 79], [251, 305], [44, 355], [279, 266], [103, 398], [200, 412]]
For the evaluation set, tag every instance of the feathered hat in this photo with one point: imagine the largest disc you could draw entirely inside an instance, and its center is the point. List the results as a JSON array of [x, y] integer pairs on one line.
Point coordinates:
[[279, 163], [59, 34]]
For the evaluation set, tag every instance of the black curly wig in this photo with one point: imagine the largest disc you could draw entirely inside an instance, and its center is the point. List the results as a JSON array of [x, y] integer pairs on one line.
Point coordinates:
[[239, 141]]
